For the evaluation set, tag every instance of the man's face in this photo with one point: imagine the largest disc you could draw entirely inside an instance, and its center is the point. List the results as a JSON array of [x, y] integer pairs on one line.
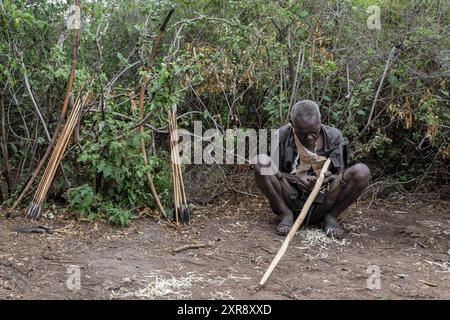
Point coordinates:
[[307, 131]]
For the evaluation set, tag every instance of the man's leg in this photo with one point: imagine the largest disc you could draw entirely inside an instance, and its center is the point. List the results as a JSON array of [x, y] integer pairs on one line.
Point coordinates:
[[274, 189], [343, 192]]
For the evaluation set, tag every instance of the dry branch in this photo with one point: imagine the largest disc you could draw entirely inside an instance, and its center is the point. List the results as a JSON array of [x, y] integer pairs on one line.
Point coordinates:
[[193, 246]]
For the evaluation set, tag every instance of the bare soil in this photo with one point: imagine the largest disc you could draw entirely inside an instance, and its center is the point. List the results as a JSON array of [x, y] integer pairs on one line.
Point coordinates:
[[408, 242]]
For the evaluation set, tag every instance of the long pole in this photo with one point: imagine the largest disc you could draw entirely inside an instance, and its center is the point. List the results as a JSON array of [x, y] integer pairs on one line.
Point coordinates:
[[297, 223], [75, 39], [151, 59]]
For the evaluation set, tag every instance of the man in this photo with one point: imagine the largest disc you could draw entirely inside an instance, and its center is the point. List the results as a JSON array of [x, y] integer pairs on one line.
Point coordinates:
[[304, 145]]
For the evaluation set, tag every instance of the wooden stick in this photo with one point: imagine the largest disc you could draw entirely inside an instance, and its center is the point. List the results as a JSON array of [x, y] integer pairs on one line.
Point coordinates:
[[49, 169], [61, 141], [178, 161], [34, 209], [174, 168], [182, 202], [151, 59], [58, 151], [179, 193], [176, 173], [193, 246], [74, 115], [297, 223], [75, 40], [177, 197]]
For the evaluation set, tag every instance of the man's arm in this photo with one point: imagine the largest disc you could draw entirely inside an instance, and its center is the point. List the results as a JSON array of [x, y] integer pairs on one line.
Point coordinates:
[[305, 182], [339, 154]]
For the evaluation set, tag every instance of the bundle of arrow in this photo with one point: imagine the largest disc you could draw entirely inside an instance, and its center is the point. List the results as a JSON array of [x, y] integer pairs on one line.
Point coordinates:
[[34, 209], [179, 195]]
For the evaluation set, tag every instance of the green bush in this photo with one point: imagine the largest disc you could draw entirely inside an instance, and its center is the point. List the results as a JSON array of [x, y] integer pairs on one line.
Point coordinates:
[[231, 64]]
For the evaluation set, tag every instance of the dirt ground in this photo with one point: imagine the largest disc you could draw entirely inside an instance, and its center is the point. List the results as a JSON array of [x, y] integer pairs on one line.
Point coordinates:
[[408, 242]]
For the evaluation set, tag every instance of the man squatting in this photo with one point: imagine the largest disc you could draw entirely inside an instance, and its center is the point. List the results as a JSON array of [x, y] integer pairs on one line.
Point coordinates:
[[304, 145]]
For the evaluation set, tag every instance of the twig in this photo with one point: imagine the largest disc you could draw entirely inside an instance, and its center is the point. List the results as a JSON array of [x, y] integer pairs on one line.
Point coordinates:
[[36, 107], [386, 67], [428, 283], [25, 75], [193, 246], [298, 72], [113, 80], [348, 83], [188, 21], [243, 192], [428, 169], [313, 47]]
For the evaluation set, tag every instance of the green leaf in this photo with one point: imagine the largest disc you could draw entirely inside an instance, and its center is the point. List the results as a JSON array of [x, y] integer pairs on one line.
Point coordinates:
[[327, 98], [393, 81], [361, 112], [303, 14], [447, 115]]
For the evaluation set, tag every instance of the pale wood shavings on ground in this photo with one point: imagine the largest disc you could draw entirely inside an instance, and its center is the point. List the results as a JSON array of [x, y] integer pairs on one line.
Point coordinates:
[[317, 239], [169, 287], [313, 237]]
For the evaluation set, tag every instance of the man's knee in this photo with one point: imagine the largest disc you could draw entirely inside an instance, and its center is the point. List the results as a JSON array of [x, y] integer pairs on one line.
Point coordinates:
[[359, 174], [262, 164]]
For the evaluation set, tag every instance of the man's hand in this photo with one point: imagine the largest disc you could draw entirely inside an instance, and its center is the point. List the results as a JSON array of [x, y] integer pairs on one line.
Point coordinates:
[[306, 183], [329, 177], [291, 178]]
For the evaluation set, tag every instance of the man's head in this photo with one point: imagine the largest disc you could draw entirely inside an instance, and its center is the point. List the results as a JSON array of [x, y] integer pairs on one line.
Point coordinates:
[[305, 118]]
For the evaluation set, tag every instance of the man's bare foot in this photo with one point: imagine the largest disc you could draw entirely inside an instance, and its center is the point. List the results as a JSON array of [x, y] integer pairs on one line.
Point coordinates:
[[332, 227], [285, 224]]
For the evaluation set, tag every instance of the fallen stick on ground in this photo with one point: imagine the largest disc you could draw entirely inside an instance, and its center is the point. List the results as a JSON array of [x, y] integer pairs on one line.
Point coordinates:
[[297, 224], [428, 283], [193, 246]]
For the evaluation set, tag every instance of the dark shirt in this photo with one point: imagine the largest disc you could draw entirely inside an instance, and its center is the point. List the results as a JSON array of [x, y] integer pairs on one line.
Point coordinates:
[[334, 148]]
